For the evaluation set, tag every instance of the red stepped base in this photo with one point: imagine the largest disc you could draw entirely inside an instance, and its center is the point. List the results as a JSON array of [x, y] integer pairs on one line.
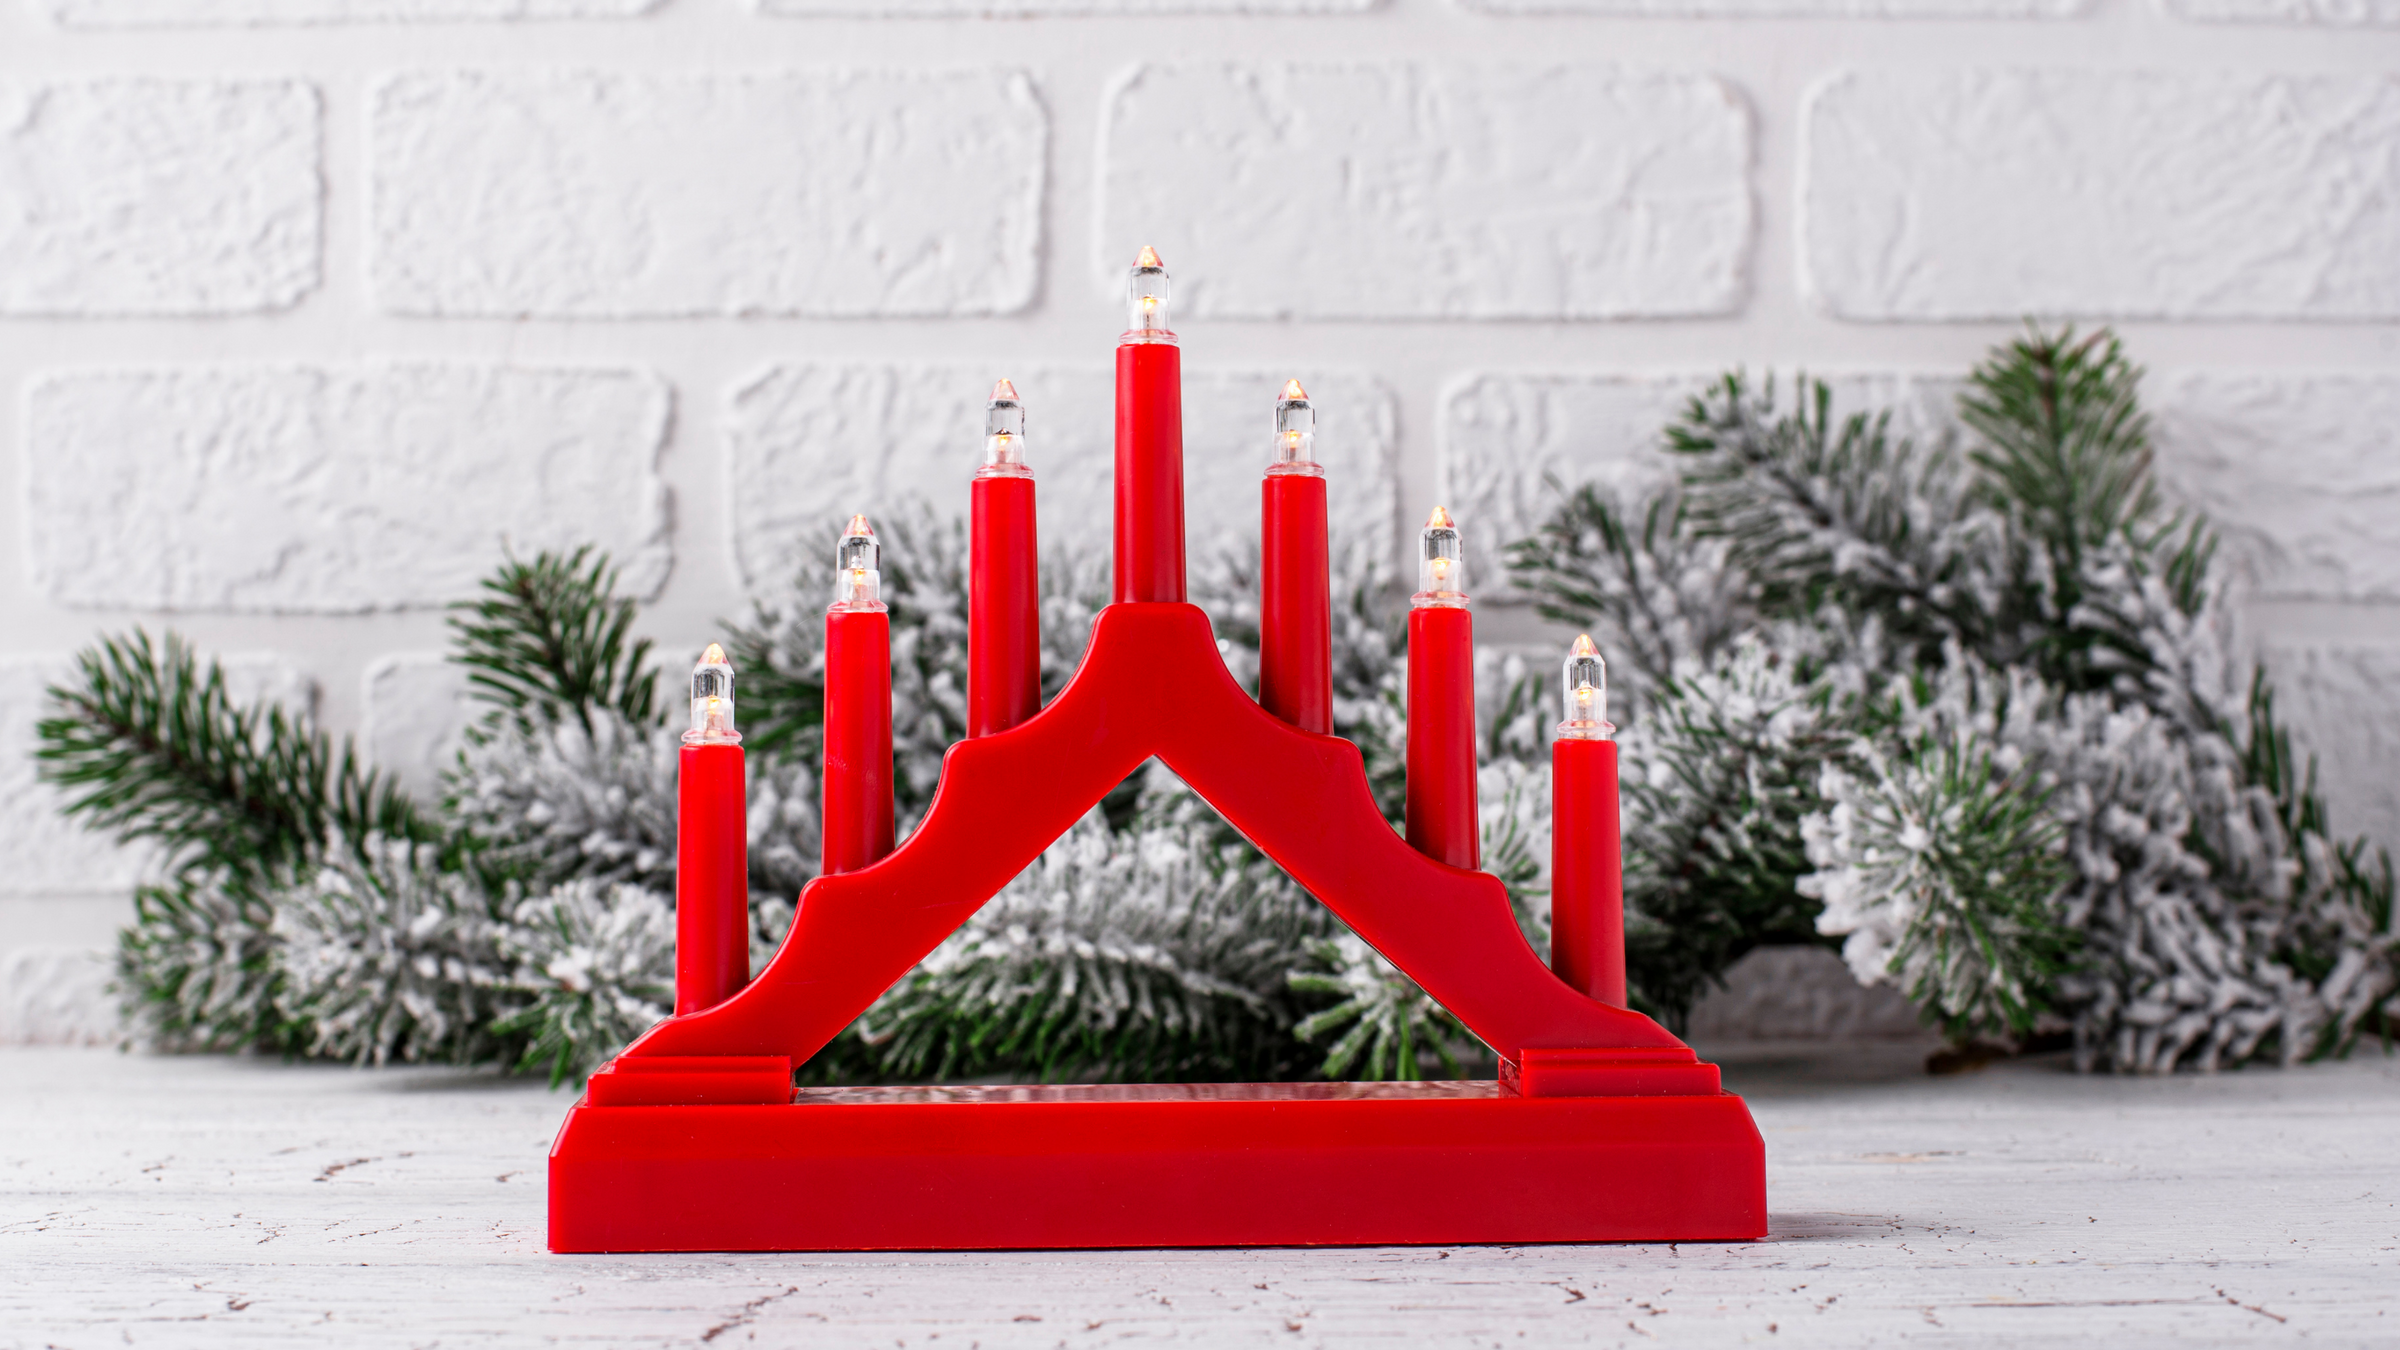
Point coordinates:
[[1198, 1165]]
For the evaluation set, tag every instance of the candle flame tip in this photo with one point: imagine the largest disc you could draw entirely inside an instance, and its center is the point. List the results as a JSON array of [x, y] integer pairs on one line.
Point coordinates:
[[1583, 646], [1004, 392], [714, 656], [1293, 393], [1149, 259], [858, 525], [1440, 520]]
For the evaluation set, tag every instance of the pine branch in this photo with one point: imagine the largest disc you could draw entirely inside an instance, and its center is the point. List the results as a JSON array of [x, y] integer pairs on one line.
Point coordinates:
[[1727, 762], [1656, 593], [149, 747], [2066, 446], [551, 639], [1816, 512], [197, 969]]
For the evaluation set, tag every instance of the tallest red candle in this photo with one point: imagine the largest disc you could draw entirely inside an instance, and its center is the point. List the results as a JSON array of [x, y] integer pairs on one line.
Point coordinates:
[[1149, 443]]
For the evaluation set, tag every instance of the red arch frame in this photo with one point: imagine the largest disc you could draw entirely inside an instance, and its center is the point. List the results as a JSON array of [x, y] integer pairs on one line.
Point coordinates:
[[1152, 683]]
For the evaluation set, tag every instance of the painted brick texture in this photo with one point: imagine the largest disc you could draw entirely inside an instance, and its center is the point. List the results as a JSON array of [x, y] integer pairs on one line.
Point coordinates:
[[811, 444], [416, 710], [2301, 472], [157, 197], [207, 13], [333, 490], [2339, 13], [2338, 698], [1417, 190], [874, 9], [1766, 9], [1992, 194], [589, 195]]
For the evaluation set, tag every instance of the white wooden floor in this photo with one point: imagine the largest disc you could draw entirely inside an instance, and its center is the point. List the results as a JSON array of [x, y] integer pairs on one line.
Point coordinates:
[[209, 1202]]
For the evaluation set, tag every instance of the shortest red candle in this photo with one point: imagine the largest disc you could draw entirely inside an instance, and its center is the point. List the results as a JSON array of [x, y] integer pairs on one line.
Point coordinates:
[[1295, 602], [712, 847], [1441, 807], [858, 708], [1587, 855]]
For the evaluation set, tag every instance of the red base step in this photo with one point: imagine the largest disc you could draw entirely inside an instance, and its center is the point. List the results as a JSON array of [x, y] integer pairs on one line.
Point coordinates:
[[1168, 1165]]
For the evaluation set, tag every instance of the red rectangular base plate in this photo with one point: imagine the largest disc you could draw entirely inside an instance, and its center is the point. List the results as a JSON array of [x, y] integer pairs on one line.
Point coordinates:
[[1167, 1165]]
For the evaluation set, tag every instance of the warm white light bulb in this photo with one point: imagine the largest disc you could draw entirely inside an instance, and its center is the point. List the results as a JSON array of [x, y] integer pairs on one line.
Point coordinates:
[[1295, 434], [1441, 566], [712, 701], [858, 568], [1146, 300], [1003, 434], [1585, 686]]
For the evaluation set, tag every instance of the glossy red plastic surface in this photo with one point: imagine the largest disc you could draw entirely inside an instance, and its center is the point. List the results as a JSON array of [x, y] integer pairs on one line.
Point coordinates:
[[1295, 603], [857, 820], [1277, 1164], [1624, 1137], [1587, 870], [712, 878], [1442, 820], [1004, 604], [1149, 472]]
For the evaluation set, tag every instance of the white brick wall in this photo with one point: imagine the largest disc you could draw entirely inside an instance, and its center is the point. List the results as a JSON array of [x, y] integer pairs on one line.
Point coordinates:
[[588, 195], [156, 196], [319, 490], [209, 13], [1760, 9], [2345, 13], [415, 709], [885, 9], [308, 308], [1989, 194], [2302, 473], [1430, 190]]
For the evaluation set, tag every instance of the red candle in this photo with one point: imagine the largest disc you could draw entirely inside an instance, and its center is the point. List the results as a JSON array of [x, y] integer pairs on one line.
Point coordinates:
[[1587, 863], [1295, 601], [858, 709], [1441, 811], [712, 847], [1149, 443], [1004, 615]]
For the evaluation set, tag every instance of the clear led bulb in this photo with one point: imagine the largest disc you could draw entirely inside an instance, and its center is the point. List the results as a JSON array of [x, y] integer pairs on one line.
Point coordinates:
[[712, 701], [1003, 434], [858, 568], [1295, 434], [1146, 300], [1585, 685], [1441, 567]]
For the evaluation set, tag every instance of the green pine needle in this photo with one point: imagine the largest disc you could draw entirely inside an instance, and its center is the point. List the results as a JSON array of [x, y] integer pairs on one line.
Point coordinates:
[[150, 747], [551, 638]]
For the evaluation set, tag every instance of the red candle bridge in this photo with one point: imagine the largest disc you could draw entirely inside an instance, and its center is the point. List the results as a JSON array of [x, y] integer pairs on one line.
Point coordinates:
[[1600, 1125]]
